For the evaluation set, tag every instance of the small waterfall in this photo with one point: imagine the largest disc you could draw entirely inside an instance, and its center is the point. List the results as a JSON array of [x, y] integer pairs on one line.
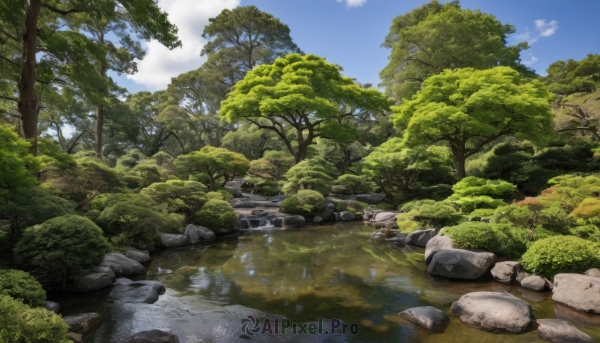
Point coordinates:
[[253, 222]]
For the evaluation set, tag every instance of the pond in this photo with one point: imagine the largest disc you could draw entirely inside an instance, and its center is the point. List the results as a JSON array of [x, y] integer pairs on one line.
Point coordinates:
[[326, 271]]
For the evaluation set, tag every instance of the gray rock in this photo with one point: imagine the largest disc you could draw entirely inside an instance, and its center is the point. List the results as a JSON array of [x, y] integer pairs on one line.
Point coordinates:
[[436, 244], [420, 237], [236, 192], [493, 311], [290, 220], [222, 231], [99, 269], [170, 240], [52, 306], [137, 255], [143, 291], [385, 216], [279, 198], [75, 337], [581, 292], [327, 212], [242, 203], [506, 272], [260, 213], [371, 198], [384, 234], [115, 267], [197, 233], [153, 336], [91, 282], [593, 272], [461, 264], [534, 283], [428, 317], [346, 216], [128, 266], [561, 331], [370, 214], [83, 323], [317, 219]]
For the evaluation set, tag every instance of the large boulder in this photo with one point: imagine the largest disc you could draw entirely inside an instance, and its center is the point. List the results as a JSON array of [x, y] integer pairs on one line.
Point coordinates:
[[508, 272], [236, 192], [561, 331], [153, 336], [581, 292], [91, 282], [371, 199], [99, 269], [142, 256], [115, 267], [128, 266], [461, 264], [289, 220], [52, 306], [83, 323], [493, 311], [327, 212], [420, 237], [346, 216], [384, 216], [143, 291], [428, 317], [196, 233], [534, 283], [437, 243], [170, 240]]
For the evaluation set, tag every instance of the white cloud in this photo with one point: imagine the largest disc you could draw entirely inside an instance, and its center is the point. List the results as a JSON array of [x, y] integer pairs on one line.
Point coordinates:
[[532, 60], [353, 3], [190, 16], [546, 29]]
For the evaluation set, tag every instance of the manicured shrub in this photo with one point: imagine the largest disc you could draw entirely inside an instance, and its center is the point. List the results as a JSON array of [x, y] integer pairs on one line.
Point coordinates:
[[481, 213], [471, 203], [185, 197], [503, 240], [214, 196], [20, 323], [352, 184], [436, 214], [226, 194], [560, 254], [356, 207], [215, 215], [314, 174], [62, 245], [20, 285], [473, 186], [588, 208], [305, 202]]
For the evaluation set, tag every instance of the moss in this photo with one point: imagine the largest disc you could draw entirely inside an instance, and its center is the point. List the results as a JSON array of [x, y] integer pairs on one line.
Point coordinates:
[[305, 202]]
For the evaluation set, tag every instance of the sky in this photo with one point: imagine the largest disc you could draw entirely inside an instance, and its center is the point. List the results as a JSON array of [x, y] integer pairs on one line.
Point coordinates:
[[350, 33]]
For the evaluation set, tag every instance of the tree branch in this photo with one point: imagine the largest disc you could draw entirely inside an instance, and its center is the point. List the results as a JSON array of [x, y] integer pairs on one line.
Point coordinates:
[[59, 11]]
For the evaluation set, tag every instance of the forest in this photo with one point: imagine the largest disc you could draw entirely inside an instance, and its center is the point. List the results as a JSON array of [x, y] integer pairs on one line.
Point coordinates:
[[460, 136]]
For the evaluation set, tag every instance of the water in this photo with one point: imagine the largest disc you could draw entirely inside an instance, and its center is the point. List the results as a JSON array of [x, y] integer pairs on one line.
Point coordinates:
[[331, 271]]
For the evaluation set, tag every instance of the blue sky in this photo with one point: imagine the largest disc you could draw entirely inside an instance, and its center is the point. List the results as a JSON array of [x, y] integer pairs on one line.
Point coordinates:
[[350, 32]]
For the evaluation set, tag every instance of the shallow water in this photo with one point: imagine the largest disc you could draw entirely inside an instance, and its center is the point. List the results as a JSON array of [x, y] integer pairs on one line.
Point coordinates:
[[332, 271]]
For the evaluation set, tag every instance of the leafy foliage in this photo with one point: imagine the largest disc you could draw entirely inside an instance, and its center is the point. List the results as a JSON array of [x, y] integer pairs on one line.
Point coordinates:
[[567, 77], [472, 193], [356, 207], [20, 285], [314, 174], [215, 215], [503, 240], [179, 196], [305, 202], [17, 167], [352, 184]]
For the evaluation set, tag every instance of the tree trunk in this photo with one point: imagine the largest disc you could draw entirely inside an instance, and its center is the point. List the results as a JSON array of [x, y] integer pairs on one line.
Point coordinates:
[[28, 100], [99, 125], [459, 160], [212, 182]]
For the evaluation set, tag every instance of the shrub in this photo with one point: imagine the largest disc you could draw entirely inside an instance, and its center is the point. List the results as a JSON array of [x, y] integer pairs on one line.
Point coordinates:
[[216, 214], [559, 254], [471, 203], [481, 213], [226, 195], [305, 202], [185, 197], [352, 184], [499, 239], [314, 174], [20, 323], [588, 208], [406, 224], [354, 206], [214, 196], [20, 285], [473, 186], [437, 214], [62, 245]]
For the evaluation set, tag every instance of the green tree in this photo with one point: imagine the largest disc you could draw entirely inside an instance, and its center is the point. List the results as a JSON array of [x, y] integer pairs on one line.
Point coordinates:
[[268, 171], [468, 109], [20, 285], [179, 196], [314, 174], [300, 98], [17, 167], [567, 77], [218, 164], [435, 37]]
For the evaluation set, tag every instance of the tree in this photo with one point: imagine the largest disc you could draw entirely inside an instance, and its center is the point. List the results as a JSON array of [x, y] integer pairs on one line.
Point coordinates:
[[300, 98], [567, 77], [185, 197], [314, 174], [251, 141], [435, 37], [468, 109], [268, 171], [216, 163], [17, 165]]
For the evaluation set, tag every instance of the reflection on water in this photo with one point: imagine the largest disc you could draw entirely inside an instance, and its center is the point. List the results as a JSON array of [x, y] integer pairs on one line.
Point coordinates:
[[329, 272]]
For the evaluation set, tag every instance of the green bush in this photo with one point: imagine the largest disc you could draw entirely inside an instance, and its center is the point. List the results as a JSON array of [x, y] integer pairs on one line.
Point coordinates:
[[226, 195], [352, 184], [471, 203], [214, 196], [503, 240], [560, 254], [354, 206], [473, 186], [185, 197], [552, 218], [481, 213], [20, 285], [62, 245], [20, 323], [436, 214], [216, 214], [305, 202], [314, 174]]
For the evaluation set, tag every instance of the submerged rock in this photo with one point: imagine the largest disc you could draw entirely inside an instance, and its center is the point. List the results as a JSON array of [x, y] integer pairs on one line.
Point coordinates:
[[461, 264], [493, 311], [143, 291], [384, 234], [83, 323], [420, 237], [436, 244], [561, 331], [581, 292], [128, 266], [153, 336], [428, 317]]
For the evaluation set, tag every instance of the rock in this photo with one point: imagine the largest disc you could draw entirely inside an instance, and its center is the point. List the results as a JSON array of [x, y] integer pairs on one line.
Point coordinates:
[[222, 231], [593, 272], [236, 192], [170, 240], [385, 216], [428, 317], [436, 244], [279, 198], [561, 331], [143, 291], [260, 213], [327, 212], [317, 219], [75, 337], [371, 199], [128, 266], [196, 233], [52, 306], [534, 283], [346, 216], [384, 234], [137, 255], [83, 323], [581, 292], [493, 311], [290, 220], [370, 214], [242, 203], [461, 264], [506, 272], [116, 268], [91, 282], [420, 237], [99, 269], [153, 336]]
